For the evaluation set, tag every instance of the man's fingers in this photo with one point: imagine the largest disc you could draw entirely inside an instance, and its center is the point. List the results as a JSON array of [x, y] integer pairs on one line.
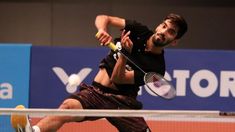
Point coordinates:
[[123, 33], [103, 37], [127, 34], [129, 41]]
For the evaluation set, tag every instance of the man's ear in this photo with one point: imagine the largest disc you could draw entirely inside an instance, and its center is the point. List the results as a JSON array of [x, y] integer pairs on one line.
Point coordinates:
[[175, 42]]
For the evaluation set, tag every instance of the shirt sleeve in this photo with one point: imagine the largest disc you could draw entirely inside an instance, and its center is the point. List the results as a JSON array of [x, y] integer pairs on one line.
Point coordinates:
[[135, 27]]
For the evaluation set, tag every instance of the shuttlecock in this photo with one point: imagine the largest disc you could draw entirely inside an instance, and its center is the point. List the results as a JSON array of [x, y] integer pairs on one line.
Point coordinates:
[[74, 80]]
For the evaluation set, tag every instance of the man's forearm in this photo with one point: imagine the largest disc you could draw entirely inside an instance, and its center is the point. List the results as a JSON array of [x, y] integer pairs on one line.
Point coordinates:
[[101, 22], [119, 70]]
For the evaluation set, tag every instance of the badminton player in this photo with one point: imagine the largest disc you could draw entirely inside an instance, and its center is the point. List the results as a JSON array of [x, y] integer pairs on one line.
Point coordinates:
[[117, 82]]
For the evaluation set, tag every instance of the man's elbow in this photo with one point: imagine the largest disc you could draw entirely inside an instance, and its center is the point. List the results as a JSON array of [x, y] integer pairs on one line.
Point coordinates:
[[101, 16]]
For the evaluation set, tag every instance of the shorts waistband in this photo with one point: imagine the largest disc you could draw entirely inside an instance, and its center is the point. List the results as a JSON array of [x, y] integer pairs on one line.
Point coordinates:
[[106, 89]]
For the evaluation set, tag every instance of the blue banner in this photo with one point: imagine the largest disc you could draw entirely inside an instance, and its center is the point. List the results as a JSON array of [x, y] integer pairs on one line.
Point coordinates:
[[14, 74], [51, 67], [14, 78], [204, 79]]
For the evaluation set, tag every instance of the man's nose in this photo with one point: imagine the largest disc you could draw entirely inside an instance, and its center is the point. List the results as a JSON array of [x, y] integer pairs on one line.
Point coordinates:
[[163, 31]]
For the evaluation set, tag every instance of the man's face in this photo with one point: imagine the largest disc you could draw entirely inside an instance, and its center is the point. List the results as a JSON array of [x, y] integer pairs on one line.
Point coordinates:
[[164, 34]]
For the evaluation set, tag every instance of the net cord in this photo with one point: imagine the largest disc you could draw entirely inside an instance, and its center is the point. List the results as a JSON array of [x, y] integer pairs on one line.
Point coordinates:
[[111, 113]]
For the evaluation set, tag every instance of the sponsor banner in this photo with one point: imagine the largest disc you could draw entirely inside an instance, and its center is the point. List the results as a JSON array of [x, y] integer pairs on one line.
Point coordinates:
[[14, 78], [51, 67], [14, 74], [204, 79]]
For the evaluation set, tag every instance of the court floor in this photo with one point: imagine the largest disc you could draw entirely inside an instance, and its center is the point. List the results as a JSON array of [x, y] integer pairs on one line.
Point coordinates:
[[156, 126]]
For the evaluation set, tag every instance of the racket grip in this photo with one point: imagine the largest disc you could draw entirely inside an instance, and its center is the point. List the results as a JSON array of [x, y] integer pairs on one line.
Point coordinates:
[[112, 46]]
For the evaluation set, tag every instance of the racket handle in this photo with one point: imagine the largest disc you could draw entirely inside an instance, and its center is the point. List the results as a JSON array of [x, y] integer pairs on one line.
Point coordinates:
[[112, 46]]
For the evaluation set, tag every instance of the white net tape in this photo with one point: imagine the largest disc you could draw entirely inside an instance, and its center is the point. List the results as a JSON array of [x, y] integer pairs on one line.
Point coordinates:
[[159, 114], [158, 120]]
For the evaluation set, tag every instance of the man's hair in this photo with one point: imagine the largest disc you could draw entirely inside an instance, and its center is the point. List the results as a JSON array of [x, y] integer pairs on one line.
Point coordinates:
[[180, 22]]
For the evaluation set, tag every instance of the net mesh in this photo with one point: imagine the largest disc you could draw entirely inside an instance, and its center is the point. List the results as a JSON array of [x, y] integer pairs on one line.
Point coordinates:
[[158, 120]]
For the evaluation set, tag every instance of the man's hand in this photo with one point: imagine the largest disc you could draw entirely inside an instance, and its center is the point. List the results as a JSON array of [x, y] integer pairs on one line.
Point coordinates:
[[126, 41], [104, 37]]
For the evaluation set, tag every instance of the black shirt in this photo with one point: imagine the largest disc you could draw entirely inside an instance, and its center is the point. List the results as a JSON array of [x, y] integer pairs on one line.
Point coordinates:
[[147, 61]]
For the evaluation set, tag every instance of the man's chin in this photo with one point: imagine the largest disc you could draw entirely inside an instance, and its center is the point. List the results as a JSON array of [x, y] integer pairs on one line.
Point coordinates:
[[158, 44]]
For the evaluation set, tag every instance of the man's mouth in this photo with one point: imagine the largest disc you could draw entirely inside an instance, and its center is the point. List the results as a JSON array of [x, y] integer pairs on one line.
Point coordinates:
[[160, 37]]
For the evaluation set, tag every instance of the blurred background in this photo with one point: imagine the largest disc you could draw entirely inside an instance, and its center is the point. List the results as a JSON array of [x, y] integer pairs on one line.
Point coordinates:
[[55, 27], [71, 22]]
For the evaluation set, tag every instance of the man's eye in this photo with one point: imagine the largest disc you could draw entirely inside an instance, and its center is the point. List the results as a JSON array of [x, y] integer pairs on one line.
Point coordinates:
[[172, 32]]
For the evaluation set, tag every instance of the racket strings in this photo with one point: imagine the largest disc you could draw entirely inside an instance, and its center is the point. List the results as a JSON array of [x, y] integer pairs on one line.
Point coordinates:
[[159, 85]]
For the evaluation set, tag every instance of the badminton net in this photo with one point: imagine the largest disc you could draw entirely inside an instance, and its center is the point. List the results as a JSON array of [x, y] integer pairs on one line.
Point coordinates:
[[158, 120]]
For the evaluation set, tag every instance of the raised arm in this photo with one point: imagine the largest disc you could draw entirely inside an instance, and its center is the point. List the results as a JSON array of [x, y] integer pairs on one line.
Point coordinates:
[[102, 22], [120, 75]]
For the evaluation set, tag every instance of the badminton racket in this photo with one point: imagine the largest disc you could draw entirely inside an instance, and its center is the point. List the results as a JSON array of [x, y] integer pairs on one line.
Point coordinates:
[[155, 82]]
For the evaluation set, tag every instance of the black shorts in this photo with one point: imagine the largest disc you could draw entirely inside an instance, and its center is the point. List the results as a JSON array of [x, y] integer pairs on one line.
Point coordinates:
[[93, 97]]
